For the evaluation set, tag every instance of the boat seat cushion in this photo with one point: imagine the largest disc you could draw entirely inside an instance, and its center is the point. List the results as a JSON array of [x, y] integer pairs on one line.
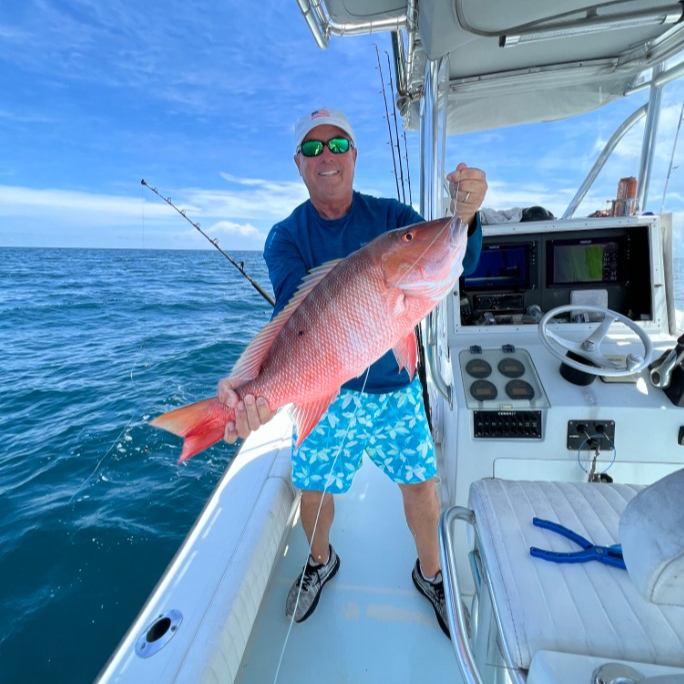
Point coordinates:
[[652, 535], [582, 608]]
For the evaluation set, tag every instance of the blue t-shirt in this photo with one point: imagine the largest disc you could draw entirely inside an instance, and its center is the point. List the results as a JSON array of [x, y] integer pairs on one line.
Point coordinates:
[[304, 240]]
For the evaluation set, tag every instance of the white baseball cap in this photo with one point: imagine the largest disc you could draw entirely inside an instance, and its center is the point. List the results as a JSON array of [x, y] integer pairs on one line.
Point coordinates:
[[321, 117]]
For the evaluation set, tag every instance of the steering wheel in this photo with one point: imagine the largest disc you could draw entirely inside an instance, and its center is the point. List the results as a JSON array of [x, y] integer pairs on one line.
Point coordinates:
[[590, 348]]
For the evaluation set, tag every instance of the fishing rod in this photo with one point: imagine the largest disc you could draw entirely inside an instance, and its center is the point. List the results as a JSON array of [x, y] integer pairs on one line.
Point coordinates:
[[214, 242], [396, 130], [389, 127], [421, 368], [408, 170]]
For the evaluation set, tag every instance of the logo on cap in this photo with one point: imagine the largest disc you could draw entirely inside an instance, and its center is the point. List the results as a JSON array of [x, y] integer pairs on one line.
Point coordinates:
[[319, 112]]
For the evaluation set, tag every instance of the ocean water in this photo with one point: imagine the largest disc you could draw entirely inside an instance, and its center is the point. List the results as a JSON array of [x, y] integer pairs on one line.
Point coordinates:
[[93, 505]]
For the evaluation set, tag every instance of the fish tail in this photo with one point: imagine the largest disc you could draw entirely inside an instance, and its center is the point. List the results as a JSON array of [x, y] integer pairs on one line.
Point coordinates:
[[201, 425]]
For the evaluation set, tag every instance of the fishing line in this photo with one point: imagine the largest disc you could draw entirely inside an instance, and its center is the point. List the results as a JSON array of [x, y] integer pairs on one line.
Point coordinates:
[[103, 458], [142, 212], [144, 297], [313, 533], [420, 256], [332, 468], [455, 197], [130, 420]]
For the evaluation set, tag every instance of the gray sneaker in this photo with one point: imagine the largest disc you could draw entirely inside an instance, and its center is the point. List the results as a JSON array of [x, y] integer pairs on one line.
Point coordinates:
[[433, 593], [311, 582]]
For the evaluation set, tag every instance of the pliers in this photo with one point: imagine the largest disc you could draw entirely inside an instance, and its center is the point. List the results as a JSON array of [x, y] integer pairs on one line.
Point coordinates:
[[611, 555]]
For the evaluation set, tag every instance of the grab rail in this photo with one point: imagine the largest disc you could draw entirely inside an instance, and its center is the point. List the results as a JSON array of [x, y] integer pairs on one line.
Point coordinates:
[[452, 591], [441, 384], [454, 606]]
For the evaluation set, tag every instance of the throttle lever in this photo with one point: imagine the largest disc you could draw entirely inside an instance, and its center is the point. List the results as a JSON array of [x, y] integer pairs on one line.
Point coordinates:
[[662, 373]]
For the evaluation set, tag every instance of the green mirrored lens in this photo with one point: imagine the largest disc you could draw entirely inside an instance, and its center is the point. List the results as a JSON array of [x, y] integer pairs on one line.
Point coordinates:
[[312, 148], [338, 145]]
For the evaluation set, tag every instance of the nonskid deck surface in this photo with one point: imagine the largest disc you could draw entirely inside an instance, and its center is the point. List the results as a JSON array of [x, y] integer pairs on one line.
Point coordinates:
[[371, 624]]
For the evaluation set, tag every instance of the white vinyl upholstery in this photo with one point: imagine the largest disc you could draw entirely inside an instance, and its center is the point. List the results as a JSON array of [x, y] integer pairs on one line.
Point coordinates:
[[652, 535], [584, 608]]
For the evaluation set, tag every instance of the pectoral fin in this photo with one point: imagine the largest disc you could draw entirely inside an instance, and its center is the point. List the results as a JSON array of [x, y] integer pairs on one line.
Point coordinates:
[[406, 353], [306, 416], [395, 301]]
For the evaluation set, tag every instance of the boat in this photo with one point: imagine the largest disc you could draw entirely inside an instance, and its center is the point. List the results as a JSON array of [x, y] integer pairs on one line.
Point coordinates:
[[555, 383]]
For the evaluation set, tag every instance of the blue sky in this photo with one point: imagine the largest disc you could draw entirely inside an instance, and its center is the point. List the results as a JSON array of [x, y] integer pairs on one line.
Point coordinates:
[[200, 99]]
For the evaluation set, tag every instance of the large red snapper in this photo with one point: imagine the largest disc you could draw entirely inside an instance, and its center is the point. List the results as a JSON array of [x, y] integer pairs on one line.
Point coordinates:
[[345, 315]]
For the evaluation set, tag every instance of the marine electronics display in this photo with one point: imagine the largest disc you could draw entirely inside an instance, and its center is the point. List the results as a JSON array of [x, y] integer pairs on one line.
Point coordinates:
[[521, 277], [585, 261], [505, 270], [501, 266]]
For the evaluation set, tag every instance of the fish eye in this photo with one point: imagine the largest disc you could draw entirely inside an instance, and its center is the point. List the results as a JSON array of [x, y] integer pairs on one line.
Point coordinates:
[[407, 237]]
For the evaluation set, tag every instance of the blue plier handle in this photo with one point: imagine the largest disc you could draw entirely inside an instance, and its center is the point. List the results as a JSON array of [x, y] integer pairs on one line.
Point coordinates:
[[610, 555]]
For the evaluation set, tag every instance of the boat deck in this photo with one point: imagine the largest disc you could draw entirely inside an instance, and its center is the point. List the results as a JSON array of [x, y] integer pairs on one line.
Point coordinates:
[[371, 624]]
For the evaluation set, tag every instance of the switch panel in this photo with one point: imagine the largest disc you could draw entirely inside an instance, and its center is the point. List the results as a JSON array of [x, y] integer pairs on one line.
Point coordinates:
[[584, 434]]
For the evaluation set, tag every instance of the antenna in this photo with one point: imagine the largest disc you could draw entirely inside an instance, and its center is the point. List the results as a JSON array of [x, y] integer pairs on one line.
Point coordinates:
[[669, 171]]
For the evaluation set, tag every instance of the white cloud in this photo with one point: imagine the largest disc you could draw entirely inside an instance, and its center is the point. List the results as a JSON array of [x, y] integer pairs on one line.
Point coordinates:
[[231, 228], [91, 207], [254, 199], [505, 195], [86, 42], [9, 34], [32, 117], [263, 200], [245, 213], [241, 181]]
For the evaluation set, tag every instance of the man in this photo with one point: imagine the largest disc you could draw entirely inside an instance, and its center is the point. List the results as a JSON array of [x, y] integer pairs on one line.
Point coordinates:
[[334, 222]]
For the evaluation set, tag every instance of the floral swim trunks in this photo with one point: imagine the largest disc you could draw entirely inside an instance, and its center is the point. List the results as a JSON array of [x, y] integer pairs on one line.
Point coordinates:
[[391, 428]]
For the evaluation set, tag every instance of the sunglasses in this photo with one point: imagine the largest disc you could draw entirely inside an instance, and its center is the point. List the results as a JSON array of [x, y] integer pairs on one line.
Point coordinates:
[[312, 148]]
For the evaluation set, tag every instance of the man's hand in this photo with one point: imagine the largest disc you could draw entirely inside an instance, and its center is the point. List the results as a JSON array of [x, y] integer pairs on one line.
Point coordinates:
[[250, 413], [467, 188]]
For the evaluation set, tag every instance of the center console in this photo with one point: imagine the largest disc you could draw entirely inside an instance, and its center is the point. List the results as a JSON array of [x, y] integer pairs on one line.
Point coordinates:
[[521, 276]]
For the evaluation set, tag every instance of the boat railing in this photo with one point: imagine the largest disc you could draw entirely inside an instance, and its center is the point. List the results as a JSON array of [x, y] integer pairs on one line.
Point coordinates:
[[456, 614], [322, 25], [619, 134], [443, 387], [660, 78]]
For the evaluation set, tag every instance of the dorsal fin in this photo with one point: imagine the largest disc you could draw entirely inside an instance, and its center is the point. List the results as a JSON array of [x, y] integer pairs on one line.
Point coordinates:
[[250, 362]]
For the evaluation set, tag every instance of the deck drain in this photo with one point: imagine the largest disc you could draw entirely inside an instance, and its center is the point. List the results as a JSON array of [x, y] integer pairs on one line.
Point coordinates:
[[158, 634]]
